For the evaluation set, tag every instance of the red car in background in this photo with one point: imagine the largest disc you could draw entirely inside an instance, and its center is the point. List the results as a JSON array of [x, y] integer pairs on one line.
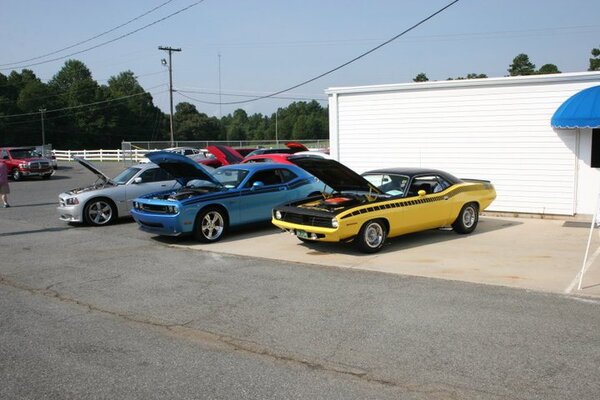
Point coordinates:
[[25, 161], [227, 155]]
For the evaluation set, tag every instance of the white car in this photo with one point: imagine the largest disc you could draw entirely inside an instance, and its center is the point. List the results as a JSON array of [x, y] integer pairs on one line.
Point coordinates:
[[108, 199]]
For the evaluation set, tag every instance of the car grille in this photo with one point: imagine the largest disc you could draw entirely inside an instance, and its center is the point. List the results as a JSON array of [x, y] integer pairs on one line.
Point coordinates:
[[39, 165], [153, 208], [303, 219]]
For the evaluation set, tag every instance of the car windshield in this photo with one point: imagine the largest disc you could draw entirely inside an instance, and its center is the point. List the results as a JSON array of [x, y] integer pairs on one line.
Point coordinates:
[[394, 185], [23, 153], [125, 176], [230, 178]]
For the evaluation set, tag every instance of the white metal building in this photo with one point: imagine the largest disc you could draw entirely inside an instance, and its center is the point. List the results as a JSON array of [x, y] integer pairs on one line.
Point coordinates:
[[496, 129]]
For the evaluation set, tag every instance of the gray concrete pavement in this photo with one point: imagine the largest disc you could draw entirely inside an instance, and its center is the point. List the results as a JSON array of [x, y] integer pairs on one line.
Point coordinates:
[[536, 254]]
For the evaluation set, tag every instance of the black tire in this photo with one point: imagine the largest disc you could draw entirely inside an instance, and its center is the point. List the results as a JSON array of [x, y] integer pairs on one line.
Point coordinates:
[[47, 176], [16, 175], [371, 237], [467, 219], [210, 225], [99, 212]]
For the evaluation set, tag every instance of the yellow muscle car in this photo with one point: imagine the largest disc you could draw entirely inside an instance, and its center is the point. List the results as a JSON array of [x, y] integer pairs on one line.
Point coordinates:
[[381, 203]]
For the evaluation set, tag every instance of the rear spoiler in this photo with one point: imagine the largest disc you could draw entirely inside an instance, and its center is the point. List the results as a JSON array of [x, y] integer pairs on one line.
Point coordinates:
[[475, 180]]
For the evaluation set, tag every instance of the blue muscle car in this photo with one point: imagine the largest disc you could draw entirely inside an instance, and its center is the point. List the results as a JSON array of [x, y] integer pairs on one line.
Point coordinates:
[[208, 203]]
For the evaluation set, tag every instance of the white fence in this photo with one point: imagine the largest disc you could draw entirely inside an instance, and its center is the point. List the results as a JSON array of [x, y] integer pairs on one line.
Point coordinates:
[[135, 155]]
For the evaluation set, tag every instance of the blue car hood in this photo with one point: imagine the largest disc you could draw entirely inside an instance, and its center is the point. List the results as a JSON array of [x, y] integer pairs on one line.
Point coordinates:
[[180, 167]]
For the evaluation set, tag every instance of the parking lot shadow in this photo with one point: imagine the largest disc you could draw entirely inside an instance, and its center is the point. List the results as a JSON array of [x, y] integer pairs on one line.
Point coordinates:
[[413, 240]]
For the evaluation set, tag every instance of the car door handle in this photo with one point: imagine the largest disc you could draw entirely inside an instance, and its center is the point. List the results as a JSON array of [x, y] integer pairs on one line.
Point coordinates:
[[446, 197], [282, 188]]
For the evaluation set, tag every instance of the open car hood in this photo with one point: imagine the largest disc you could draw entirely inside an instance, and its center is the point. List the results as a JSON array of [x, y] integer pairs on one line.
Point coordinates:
[[225, 154], [333, 174], [92, 168], [296, 146], [181, 167]]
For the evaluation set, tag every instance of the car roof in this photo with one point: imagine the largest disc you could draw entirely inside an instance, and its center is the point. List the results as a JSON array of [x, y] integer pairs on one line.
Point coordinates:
[[413, 171]]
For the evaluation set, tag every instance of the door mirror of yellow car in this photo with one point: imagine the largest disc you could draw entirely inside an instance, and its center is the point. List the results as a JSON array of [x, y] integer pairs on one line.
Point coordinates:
[[421, 193]]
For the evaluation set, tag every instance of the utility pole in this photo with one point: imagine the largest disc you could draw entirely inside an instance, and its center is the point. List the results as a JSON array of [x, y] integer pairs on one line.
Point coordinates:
[[42, 111], [170, 50], [220, 102]]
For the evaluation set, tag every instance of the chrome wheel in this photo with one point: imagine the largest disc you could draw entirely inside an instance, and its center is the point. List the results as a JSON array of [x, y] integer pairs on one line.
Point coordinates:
[[469, 216], [374, 235], [210, 225], [99, 212], [371, 237], [467, 219]]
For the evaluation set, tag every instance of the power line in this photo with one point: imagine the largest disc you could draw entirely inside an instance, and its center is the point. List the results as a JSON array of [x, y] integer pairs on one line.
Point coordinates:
[[90, 39], [181, 93], [347, 62], [108, 41]]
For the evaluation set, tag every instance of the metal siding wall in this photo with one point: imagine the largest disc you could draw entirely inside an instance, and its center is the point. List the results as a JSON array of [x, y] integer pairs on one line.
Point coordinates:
[[501, 133]]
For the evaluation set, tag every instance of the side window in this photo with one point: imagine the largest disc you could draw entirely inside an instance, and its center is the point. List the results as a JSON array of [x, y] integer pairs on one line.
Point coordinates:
[[162, 175], [286, 175], [268, 177], [430, 184], [150, 175]]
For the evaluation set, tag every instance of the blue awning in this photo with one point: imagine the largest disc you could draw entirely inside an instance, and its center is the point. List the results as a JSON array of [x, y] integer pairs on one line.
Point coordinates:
[[582, 110]]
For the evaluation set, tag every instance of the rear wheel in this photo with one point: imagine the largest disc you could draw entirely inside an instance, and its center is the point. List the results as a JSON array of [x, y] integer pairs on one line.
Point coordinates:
[[467, 219], [99, 212], [371, 237], [16, 174], [210, 225]]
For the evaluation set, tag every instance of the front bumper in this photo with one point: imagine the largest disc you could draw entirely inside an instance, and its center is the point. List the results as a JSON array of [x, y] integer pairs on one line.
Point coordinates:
[[161, 224], [322, 234], [69, 214], [37, 172]]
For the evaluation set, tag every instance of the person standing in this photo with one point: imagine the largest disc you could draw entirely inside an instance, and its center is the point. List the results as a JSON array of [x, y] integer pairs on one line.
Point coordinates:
[[4, 189]]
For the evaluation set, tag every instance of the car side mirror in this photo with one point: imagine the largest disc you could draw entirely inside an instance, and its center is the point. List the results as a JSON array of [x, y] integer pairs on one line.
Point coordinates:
[[257, 184], [137, 180], [421, 193], [5, 157]]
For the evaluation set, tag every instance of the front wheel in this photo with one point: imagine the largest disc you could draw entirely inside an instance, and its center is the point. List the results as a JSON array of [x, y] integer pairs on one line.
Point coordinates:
[[467, 219], [16, 175], [47, 176], [99, 212], [210, 225], [371, 237]]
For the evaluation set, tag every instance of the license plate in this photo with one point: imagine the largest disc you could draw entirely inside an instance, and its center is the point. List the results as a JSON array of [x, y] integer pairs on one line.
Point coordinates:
[[301, 234]]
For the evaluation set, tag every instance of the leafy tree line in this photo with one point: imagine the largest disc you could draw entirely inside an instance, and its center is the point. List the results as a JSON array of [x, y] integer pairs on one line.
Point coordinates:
[[521, 65], [80, 113]]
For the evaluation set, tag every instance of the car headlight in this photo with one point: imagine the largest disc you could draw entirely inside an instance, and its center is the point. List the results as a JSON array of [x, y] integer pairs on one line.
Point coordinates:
[[278, 214], [24, 165], [135, 205], [334, 222], [72, 201], [172, 209]]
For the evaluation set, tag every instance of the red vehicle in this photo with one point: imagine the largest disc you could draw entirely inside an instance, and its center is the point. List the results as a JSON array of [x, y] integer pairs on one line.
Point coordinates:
[[25, 161], [226, 155]]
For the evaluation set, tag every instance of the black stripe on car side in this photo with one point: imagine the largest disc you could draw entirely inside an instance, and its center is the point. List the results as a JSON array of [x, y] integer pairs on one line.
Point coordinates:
[[409, 203]]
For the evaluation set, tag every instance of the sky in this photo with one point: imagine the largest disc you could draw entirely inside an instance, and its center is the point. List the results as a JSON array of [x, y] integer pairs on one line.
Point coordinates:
[[245, 48]]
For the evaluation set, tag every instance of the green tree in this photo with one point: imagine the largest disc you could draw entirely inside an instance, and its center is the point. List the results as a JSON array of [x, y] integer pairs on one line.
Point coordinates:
[[548, 69], [595, 60], [521, 66], [421, 78]]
